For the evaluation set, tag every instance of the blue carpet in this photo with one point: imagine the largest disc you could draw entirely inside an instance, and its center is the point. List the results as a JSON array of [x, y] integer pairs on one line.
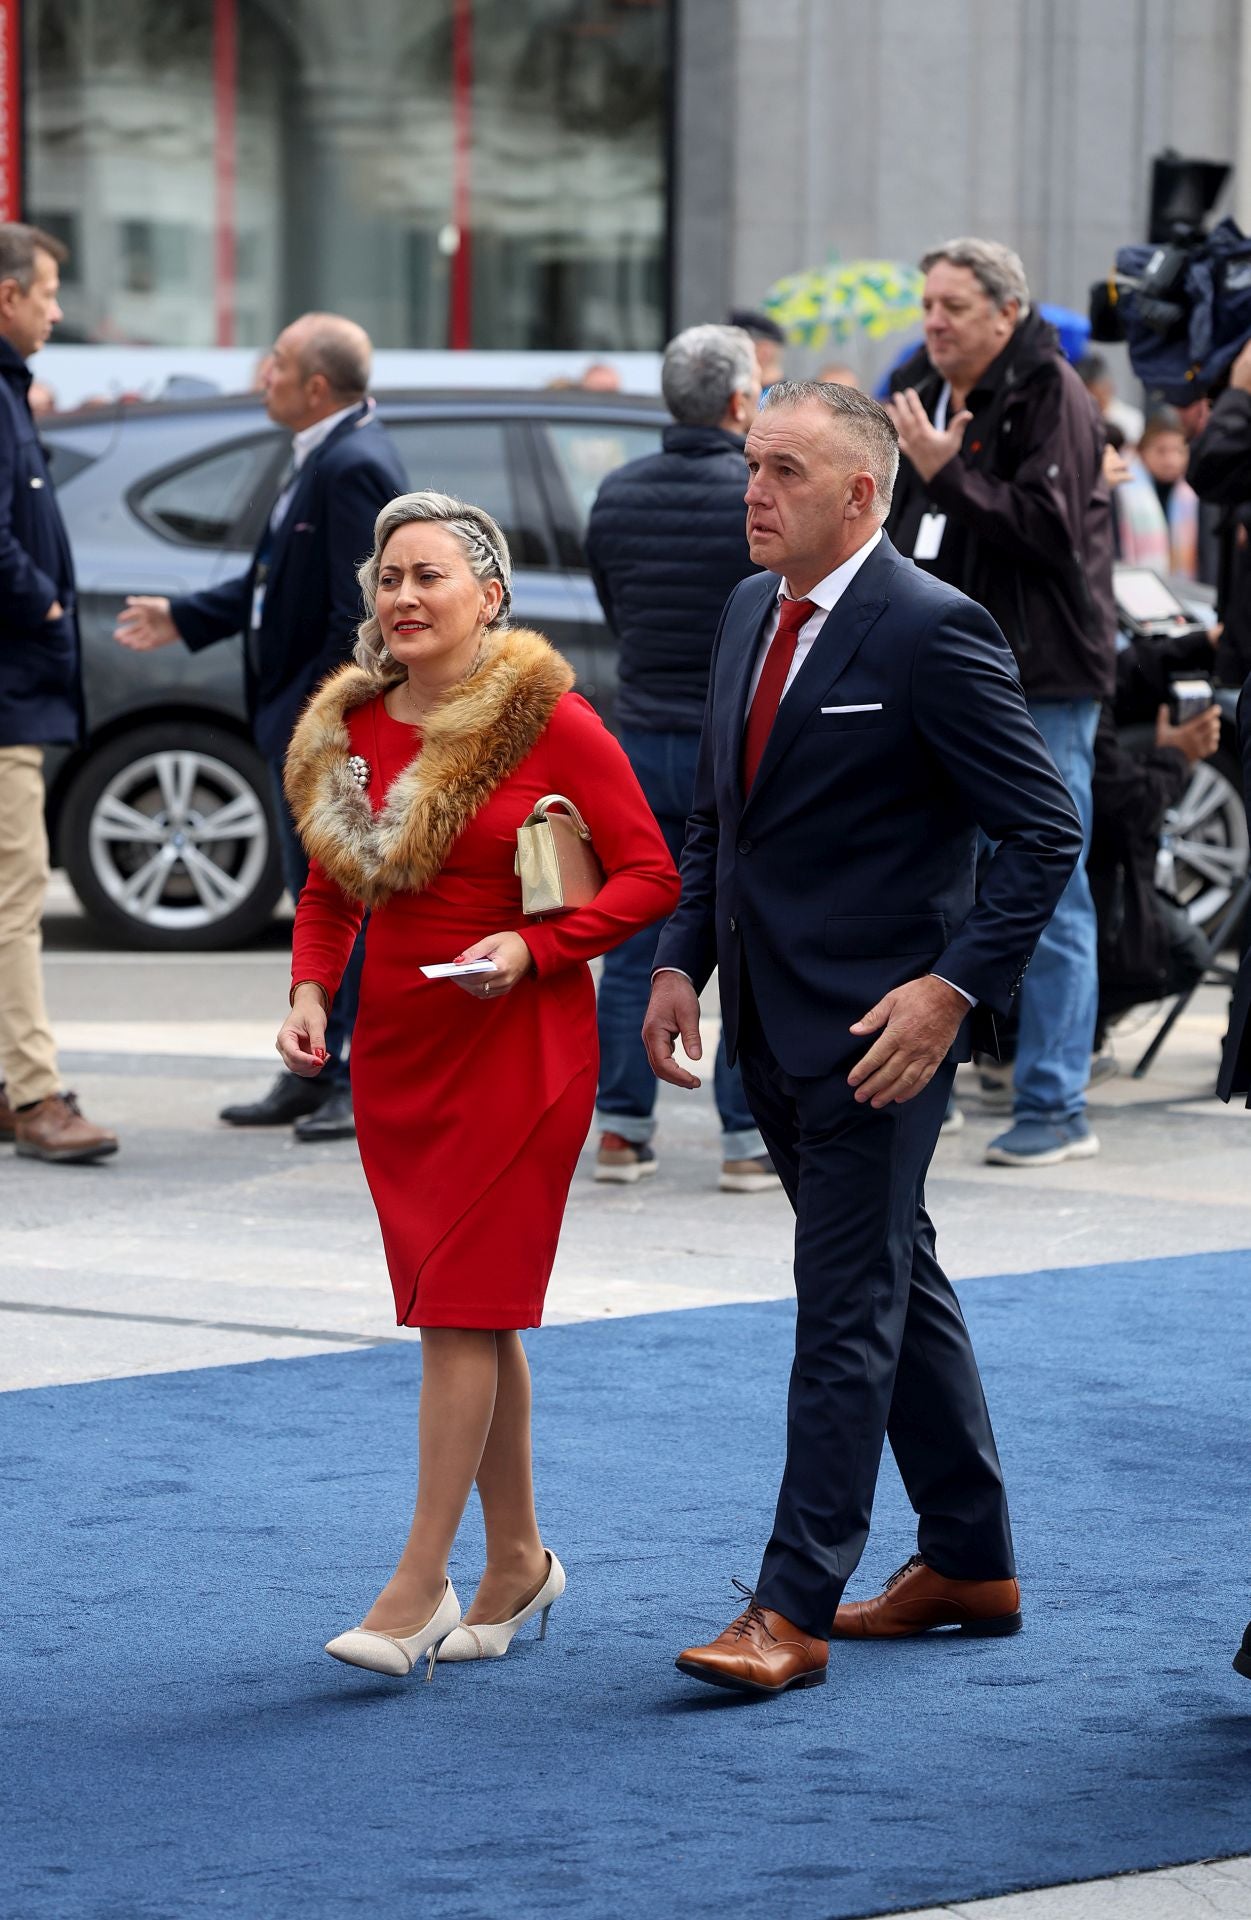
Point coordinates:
[[176, 1548]]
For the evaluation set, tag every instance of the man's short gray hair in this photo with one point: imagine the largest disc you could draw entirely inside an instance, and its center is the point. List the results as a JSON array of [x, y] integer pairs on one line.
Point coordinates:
[[999, 272], [480, 540], [704, 367], [865, 426], [19, 245], [338, 349]]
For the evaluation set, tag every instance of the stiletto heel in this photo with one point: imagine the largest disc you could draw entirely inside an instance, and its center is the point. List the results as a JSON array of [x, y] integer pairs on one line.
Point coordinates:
[[396, 1653], [491, 1640]]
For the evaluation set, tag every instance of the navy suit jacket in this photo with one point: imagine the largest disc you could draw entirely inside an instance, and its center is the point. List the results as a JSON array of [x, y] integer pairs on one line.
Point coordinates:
[[40, 669], [850, 868], [312, 601]]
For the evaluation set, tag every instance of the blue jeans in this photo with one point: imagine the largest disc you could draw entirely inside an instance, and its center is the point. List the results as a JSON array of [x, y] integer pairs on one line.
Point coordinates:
[[1059, 995], [334, 1075], [664, 765]]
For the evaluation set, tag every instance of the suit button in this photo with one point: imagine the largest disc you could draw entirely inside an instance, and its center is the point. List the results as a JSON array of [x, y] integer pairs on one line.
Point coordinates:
[[744, 846]]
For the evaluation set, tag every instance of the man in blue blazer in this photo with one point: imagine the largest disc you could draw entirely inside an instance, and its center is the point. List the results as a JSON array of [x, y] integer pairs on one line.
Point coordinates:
[[864, 721], [298, 607]]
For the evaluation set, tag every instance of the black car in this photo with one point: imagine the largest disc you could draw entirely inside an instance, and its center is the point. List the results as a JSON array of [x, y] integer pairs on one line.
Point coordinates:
[[163, 818]]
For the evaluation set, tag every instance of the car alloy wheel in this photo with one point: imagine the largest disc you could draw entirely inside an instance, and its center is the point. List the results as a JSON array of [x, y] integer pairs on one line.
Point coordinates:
[[178, 840], [1204, 851]]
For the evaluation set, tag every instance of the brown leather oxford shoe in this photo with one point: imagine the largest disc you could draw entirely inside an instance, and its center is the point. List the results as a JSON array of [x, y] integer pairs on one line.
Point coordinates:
[[760, 1652], [916, 1599]]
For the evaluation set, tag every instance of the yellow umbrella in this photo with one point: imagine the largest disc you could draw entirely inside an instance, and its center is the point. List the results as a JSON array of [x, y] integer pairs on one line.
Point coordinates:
[[846, 298]]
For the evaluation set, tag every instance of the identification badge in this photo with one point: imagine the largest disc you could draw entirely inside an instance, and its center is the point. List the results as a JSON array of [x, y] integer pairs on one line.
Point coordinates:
[[929, 536]]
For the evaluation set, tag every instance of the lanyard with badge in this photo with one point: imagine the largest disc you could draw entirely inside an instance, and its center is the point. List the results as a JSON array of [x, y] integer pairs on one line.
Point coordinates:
[[933, 525]]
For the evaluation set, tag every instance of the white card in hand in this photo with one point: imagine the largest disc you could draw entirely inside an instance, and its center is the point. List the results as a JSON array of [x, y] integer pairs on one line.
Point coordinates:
[[457, 969], [929, 536]]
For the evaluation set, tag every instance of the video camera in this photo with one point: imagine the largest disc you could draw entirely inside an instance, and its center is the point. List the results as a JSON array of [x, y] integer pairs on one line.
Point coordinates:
[[1183, 301]]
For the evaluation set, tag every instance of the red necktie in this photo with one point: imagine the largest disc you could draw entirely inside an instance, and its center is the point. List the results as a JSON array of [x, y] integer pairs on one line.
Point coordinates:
[[764, 708]]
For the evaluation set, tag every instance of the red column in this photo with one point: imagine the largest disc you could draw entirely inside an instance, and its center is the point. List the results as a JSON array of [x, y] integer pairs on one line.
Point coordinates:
[[460, 291], [225, 163], [10, 109]]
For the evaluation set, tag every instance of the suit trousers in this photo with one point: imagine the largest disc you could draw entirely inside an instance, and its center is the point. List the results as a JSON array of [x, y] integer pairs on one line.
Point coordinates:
[[881, 1348], [27, 1050]]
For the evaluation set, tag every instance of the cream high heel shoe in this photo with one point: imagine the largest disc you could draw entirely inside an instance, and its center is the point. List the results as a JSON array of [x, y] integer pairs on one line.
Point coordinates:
[[491, 1641], [397, 1654]]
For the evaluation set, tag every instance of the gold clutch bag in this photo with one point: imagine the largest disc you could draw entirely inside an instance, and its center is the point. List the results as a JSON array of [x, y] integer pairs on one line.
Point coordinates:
[[556, 861]]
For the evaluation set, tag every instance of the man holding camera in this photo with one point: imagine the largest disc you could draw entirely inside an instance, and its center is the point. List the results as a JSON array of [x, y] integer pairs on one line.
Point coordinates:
[[1220, 473], [1001, 493]]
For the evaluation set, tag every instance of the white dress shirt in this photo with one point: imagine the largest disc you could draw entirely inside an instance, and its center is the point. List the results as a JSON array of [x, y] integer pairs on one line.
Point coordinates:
[[825, 596]]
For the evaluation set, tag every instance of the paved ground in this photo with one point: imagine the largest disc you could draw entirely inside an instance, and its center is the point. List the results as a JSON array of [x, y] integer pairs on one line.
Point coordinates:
[[198, 1246]]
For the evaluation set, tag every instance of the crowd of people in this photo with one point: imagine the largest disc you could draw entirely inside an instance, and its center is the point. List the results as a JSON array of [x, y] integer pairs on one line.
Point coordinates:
[[868, 771]]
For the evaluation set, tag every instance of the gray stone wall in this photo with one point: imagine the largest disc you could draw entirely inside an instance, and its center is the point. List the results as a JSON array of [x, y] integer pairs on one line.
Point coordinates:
[[807, 127]]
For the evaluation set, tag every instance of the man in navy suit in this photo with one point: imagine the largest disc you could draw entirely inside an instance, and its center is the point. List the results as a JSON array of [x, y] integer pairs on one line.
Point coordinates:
[[298, 607], [864, 721]]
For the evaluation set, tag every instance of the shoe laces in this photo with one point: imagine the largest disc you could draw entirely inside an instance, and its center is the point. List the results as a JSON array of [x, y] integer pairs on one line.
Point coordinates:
[[70, 1102], [917, 1560], [752, 1619]]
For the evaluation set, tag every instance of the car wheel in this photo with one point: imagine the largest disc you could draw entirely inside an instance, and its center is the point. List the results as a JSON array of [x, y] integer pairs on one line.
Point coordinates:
[[168, 836], [1204, 850]]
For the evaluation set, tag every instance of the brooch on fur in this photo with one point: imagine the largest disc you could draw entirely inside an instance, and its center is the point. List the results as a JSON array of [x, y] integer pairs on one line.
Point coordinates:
[[360, 770]]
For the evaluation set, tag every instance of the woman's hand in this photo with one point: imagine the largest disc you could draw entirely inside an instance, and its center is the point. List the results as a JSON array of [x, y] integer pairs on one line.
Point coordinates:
[[512, 963], [302, 1036]]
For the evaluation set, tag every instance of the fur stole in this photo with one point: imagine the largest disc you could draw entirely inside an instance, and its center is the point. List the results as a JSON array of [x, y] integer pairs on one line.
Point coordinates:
[[471, 743]]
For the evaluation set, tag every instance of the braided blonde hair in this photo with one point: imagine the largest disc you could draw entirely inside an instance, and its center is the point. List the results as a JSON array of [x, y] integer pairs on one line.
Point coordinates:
[[480, 540]]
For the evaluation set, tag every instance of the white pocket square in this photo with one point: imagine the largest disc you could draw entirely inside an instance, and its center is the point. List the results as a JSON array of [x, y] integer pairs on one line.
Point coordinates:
[[869, 706]]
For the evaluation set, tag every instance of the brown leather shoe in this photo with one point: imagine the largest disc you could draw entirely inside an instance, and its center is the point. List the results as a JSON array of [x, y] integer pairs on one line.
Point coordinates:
[[8, 1118], [916, 1599], [55, 1129], [760, 1652]]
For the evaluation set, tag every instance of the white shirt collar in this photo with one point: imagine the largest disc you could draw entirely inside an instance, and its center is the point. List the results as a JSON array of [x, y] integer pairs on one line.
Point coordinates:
[[309, 437], [828, 592]]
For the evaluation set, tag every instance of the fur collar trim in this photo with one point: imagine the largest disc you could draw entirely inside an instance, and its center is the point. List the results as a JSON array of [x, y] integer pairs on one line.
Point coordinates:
[[471, 743]]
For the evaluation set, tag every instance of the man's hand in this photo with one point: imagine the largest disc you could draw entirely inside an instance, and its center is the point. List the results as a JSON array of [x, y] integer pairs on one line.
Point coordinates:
[[672, 1010], [54, 611], [145, 623], [919, 438], [1198, 739], [1240, 372], [917, 1024]]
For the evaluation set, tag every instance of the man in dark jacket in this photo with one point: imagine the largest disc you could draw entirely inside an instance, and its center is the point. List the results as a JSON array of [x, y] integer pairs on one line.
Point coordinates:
[[1001, 493], [40, 705], [1220, 473], [298, 607], [667, 545]]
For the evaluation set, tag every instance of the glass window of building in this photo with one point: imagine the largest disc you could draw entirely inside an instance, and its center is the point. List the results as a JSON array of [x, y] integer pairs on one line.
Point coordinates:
[[486, 173]]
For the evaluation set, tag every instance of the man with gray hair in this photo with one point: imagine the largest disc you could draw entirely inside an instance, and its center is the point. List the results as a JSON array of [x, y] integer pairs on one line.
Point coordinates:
[[1001, 493], [667, 545], [298, 606]]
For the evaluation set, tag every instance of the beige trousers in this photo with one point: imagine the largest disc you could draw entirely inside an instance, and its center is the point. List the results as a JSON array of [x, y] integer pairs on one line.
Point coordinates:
[[27, 1050]]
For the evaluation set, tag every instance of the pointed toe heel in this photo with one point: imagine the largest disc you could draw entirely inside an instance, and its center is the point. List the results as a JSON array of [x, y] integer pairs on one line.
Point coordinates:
[[490, 1640], [396, 1654]]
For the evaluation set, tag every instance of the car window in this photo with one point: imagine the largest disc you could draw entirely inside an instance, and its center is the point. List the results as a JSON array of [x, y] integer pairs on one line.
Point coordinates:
[[203, 502], [470, 459], [587, 451], [64, 462]]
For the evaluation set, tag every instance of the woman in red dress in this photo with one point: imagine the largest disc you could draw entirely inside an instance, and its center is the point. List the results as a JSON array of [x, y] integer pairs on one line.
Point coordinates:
[[408, 776]]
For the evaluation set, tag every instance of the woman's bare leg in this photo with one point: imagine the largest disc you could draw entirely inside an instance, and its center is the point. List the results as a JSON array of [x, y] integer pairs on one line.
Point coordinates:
[[459, 1371], [516, 1563]]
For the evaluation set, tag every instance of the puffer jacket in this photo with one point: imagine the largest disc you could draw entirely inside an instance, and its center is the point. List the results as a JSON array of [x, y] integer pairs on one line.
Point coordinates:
[[667, 545], [1029, 515]]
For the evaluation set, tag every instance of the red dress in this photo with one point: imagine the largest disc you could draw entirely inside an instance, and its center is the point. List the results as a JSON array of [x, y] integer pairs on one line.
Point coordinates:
[[471, 1114]]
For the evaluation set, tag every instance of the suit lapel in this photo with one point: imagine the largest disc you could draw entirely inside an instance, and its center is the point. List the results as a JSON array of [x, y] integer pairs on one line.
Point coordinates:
[[297, 504], [755, 617], [832, 652]]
